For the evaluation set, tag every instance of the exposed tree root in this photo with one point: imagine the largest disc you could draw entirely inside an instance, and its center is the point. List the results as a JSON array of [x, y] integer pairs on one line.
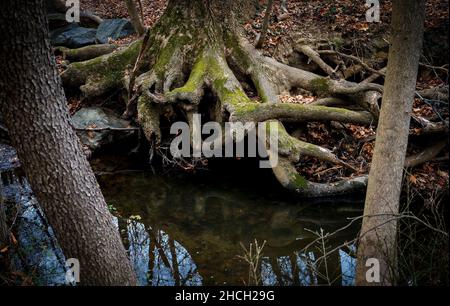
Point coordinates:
[[331, 102], [101, 74], [375, 76], [315, 57], [288, 176], [298, 113], [425, 155], [85, 53], [439, 93], [171, 70], [290, 150], [429, 127], [353, 58]]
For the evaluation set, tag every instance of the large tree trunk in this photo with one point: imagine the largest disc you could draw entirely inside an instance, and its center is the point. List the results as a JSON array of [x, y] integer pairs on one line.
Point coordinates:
[[379, 228], [34, 107], [197, 48]]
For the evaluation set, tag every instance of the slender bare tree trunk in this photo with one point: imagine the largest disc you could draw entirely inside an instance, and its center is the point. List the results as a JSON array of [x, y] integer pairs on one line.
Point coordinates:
[[379, 228], [266, 21], [34, 108], [134, 16]]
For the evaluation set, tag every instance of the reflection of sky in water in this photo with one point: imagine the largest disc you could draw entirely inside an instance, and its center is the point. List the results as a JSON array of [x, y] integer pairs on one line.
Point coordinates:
[[298, 270], [268, 277], [305, 271], [171, 262], [305, 262], [158, 259], [348, 265], [161, 260], [201, 225], [139, 250], [38, 248], [284, 263], [301, 269]]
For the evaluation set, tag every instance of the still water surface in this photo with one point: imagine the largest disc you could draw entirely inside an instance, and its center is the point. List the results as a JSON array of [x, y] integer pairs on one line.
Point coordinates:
[[188, 230], [184, 229]]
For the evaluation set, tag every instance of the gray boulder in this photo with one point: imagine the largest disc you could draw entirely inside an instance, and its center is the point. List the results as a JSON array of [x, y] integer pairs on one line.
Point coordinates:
[[73, 36], [114, 29], [97, 126]]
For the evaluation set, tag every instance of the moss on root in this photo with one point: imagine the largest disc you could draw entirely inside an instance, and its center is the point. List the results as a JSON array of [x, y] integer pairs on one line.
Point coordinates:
[[170, 52], [223, 82], [178, 43], [148, 117], [288, 176], [248, 61], [102, 73], [320, 86], [193, 88], [262, 111]]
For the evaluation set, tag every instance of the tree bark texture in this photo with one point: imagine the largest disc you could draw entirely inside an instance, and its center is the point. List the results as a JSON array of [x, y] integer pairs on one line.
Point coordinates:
[[379, 228], [34, 107]]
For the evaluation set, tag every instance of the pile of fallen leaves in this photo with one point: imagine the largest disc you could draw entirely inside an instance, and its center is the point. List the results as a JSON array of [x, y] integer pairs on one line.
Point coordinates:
[[150, 10], [298, 99], [351, 143], [345, 17]]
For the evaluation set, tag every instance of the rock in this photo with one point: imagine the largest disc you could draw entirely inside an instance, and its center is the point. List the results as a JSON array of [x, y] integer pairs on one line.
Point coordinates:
[[73, 36], [57, 32], [107, 127], [114, 29]]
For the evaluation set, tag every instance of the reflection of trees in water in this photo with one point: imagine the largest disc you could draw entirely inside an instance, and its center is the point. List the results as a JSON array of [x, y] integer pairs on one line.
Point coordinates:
[[189, 235], [36, 254], [159, 260], [301, 269], [192, 233]]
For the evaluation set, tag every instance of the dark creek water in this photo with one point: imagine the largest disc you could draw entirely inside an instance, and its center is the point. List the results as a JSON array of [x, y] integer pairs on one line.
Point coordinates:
[[188, 229]]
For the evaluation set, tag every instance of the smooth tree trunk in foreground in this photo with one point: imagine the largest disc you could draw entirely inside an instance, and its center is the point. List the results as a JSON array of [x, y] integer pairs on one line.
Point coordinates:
[[34, 107], [379, 228]]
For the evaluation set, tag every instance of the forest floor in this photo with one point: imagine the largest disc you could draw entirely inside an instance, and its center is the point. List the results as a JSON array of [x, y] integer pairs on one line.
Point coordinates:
[[344, 19]]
